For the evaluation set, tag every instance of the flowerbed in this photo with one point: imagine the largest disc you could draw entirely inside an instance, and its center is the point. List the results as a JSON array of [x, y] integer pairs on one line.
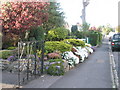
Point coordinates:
[[60, 55], [73, 51], [55, 67]]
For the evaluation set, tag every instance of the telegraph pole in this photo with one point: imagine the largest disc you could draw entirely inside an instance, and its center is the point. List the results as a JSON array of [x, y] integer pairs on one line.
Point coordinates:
[[83, 17]]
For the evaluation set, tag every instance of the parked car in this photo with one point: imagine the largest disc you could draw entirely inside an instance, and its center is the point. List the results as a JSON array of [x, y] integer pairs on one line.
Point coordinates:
[[115, 42]]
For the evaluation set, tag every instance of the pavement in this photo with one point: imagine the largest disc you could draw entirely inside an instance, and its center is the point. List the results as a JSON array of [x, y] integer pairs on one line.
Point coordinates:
[[93, 73]]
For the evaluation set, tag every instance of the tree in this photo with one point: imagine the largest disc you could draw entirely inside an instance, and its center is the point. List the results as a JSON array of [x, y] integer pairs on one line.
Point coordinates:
[[118, 29], [55, 18], [106, 29], [57, 34], [36, 33], [74, 29], [85, 26], [18, 17]]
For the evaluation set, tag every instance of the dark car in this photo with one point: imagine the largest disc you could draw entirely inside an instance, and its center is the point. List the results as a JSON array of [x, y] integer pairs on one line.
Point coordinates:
[[115, 42]]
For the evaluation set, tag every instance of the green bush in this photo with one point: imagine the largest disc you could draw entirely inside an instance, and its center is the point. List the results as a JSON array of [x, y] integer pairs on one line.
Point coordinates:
[[9, 40], [55, 60], [57, 34], [82, 34], [36, 33], [51, 46], [100, 38], [95, 38], [55, 67], [11, 48], [75, 42], [5, 54]]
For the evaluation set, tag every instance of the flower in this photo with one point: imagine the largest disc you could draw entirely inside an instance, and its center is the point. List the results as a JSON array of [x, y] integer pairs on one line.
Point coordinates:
[[58, 67], [11, 58], [47, 67], [52, 63], [59, 62], [54, 55], [94, 48]]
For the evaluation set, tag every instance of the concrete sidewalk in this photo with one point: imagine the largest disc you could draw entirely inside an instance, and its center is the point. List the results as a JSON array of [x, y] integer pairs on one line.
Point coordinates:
[[93, 73], [44, 81]]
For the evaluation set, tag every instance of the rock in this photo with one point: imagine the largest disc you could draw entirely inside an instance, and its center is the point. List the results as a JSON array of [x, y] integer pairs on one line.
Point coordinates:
[[66, 65]]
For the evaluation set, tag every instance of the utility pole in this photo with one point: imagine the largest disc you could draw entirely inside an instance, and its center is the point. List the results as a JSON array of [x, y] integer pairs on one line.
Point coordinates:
[[83, 17]]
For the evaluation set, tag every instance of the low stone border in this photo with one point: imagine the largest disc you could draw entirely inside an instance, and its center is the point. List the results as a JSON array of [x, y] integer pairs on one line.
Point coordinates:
[[3, 85], [114, 74]]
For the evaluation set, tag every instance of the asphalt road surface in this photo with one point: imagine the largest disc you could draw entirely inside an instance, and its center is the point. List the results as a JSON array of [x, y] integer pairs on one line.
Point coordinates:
[[93, 73]]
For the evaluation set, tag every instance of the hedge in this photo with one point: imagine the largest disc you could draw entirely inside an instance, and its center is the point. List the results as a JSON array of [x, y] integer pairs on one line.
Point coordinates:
[[51, 46], [6, 53], [95, 38], [75, 42], [57, 34]]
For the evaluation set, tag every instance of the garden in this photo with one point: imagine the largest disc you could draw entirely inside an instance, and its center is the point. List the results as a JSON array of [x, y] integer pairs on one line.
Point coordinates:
[[35, 42], [61, 53]]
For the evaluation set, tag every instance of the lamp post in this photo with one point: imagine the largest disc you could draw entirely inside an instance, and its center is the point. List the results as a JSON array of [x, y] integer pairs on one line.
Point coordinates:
[[83, 17]]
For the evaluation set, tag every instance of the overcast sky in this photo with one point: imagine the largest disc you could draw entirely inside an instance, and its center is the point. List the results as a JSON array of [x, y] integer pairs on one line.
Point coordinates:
[[98, 12]]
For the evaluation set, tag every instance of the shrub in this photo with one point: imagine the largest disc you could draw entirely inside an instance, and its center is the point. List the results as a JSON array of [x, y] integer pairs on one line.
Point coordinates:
[[88, 45], [9, 40], [51, 46], [36, 33], [56, 60], [82, 34], [57, 34], [11, 48], [75, 42], [95, 38], [55, 67], [53, 55], [6, 53]]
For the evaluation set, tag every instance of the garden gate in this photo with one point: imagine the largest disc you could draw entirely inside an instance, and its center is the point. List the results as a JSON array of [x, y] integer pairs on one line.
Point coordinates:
[[30, 60]]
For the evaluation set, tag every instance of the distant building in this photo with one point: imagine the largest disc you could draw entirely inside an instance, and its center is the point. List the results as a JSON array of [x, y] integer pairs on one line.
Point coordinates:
[[67, 26], [79, 26]]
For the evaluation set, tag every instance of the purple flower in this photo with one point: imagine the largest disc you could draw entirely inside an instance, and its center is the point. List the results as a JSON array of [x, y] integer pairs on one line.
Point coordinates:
[[11, 58], [58, 67], [93, 47], [47, 67], [59, 62], [52, 63]]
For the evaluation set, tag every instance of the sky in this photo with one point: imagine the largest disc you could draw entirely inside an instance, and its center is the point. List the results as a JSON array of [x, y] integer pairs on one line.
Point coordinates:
[[98, 12]]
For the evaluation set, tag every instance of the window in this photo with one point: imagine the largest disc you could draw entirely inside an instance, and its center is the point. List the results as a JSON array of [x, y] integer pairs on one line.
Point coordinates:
[[117, 36]]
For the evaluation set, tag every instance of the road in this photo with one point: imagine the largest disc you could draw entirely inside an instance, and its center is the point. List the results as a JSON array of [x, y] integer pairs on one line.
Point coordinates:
[[93, 73]]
